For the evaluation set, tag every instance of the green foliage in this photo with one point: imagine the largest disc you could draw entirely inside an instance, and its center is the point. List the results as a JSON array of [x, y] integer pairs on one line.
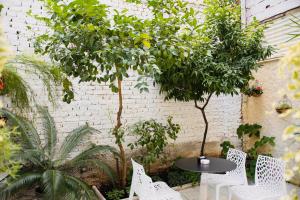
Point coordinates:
[[86, 43], [116, 194], [48, 165], [153, 137], [253, 131], [223, 57], [7, 149], [179, 177], [248, 129], [226, 145], [15, 87], [18, 89], [219, 55]]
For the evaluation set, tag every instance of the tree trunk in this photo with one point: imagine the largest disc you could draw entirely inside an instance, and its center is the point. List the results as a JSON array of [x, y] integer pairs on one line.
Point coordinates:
[[205, 132], [202, 109], [123, 172]]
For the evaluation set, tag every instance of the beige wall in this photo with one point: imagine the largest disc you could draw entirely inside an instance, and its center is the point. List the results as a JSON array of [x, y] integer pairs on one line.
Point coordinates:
[[261, 109]]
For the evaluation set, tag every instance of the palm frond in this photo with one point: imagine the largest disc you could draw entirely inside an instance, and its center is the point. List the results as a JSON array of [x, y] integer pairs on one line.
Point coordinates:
[[30, 136], [39, 68], [92, 151], [33, 156], [83, 191], [53, 184], [96, 163], [50, 130], [14, 185], [73, 139]]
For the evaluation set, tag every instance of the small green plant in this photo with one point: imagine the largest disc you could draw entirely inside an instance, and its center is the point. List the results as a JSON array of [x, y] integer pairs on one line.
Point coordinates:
[[7, 150], [116, 194], [49, 166], [252, 131], [153, 138], [226, 145], [179, 177], [283, 105]]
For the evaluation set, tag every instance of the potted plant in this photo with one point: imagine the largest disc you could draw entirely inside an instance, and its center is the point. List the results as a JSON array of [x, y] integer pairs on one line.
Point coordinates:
[[254, 90], [283, 105]]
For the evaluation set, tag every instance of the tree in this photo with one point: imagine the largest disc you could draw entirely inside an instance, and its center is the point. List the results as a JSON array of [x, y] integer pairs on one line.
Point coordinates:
[[88, 44], [221, 61], [49, 165]]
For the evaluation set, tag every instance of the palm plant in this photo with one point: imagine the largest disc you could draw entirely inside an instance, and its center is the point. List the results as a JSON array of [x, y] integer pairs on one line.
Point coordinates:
[[47, 165]]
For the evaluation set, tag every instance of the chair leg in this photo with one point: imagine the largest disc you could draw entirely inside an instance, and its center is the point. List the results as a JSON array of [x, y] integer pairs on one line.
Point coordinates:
[[131, 193], [218, 188], [229, 194]]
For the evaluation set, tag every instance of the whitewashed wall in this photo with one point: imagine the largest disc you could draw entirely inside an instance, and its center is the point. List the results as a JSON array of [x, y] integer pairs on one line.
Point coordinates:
[[261, 110], [96, 104]]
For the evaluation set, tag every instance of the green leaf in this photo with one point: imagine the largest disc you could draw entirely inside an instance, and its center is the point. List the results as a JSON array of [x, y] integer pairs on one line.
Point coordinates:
[[50, 130], [73, 139]]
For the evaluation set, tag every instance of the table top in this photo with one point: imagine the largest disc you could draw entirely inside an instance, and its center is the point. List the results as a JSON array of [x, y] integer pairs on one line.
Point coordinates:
[[216, 165]]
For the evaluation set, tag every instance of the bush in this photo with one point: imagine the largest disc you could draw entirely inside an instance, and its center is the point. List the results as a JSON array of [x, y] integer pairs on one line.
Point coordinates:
[[253, 131]]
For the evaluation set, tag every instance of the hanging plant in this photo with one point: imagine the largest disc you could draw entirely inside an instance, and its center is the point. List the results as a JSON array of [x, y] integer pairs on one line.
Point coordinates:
[[13, 86], [254, 89], [283, 105]]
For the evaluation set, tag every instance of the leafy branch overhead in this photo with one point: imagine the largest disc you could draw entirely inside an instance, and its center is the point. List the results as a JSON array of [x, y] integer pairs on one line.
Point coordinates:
[[87, 44]]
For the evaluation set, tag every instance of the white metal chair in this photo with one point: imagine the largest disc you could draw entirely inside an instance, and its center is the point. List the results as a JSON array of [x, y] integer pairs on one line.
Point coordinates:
[[269, 181], [237, 176], [143, 186]]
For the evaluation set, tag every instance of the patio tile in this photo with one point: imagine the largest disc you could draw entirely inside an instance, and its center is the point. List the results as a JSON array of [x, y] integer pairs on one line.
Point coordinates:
[[194, 193]]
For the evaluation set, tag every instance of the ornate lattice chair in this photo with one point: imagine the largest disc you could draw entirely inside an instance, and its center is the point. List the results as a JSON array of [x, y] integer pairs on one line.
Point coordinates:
[[269, 181], [145, 189], [235, 177]]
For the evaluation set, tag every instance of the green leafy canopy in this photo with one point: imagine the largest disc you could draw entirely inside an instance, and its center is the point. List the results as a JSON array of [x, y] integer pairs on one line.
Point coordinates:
[[222, 56], [87, 43]]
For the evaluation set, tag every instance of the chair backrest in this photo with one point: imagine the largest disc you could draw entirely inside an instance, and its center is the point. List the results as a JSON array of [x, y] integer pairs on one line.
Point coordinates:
[[239, 158], [269, 173], [141, 184]]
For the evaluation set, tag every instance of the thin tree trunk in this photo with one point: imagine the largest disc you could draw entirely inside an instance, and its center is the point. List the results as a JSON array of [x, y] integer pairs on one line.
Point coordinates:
[[123, 172], [205, 132], [202, 109]]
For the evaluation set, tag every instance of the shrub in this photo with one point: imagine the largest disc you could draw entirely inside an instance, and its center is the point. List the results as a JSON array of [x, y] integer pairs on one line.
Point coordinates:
[[153, 138], [47, 165]]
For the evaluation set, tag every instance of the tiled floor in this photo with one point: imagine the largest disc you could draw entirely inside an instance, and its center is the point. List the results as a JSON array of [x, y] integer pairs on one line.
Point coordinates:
[[194, 193]]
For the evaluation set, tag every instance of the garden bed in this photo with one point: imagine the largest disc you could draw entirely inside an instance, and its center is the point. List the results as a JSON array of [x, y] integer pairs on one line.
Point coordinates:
[[173, 176]]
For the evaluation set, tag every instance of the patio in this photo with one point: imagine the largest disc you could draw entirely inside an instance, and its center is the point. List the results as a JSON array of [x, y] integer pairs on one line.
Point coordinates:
[[149, 99]]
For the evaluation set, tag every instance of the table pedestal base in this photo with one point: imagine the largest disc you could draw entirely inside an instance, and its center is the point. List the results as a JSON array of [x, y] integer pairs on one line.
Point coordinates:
[[204, 187]]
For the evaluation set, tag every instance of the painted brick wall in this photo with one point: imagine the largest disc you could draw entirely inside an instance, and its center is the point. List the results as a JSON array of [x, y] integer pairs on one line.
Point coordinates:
[[96, 104]]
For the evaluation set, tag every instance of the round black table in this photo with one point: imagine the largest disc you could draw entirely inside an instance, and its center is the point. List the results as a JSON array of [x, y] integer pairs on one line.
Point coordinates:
[[216, 165]]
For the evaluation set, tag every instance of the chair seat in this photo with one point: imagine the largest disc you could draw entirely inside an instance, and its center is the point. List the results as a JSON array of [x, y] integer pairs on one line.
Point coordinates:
[[164, 192], [253, 192], [224, 179]]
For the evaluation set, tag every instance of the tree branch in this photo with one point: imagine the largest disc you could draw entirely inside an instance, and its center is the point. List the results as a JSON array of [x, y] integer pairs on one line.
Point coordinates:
[[205, 104]]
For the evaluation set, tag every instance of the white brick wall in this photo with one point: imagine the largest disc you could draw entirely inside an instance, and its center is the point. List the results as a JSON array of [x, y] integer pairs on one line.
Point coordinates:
[[96, 104]]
